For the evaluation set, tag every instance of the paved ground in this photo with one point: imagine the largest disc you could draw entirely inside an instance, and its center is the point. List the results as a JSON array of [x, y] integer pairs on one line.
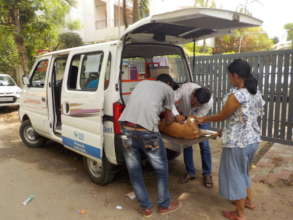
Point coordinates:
[[61, 187], [276, 167]]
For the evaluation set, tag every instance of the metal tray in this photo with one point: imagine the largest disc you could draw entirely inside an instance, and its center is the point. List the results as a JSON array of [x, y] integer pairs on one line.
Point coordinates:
[[177, 144]]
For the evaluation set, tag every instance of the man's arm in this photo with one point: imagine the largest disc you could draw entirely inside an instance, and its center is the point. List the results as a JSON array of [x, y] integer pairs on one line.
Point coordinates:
[[178, 96], [169, 105], [174, 110]]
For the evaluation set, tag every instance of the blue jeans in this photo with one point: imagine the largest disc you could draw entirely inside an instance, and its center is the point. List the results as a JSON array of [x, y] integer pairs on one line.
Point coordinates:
[[149, 143], [206, 159]]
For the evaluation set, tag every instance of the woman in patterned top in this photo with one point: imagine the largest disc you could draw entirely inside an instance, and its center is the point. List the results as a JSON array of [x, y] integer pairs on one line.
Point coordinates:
[[243, 105]]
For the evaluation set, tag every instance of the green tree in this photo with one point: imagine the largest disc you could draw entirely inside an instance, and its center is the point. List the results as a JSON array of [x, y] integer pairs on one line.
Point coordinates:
[[144, 8], [188, 48], [68, 40], [73, 25], [125, 14], [275, 40], [32, 25], [289, 28], [205, 3], [8, 55], [140, 9], [243, 40]]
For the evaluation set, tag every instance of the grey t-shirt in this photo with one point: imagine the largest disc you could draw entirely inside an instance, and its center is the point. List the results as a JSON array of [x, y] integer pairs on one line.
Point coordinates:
[[146, 102]]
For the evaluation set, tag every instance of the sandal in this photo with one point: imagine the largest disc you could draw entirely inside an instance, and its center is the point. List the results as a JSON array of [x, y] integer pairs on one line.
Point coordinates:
[[232, 215], [208, 181]]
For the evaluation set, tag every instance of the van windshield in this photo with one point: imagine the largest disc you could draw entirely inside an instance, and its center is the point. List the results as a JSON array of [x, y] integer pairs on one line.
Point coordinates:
[[147, 61], [6, 81]]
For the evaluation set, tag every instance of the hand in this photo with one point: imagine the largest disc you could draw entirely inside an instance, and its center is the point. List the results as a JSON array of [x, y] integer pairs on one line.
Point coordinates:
[[169, 117], [199, 120], [180, 118]]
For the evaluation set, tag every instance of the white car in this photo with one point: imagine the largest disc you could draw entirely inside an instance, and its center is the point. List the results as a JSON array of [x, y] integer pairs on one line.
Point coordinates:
[[9, 91]]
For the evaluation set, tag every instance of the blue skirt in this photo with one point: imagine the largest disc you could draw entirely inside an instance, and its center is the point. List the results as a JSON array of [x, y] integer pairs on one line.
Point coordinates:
[[234, 171]]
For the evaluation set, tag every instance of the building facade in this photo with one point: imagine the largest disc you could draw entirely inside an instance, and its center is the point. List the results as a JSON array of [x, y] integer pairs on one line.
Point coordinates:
[[101, 20]]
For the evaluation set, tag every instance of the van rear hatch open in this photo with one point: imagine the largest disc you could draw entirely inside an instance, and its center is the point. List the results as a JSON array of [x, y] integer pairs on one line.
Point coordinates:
[[185, 25], [150, 42]]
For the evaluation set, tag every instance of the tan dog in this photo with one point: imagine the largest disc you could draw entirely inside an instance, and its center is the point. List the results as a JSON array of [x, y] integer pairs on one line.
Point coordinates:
[[188, 130]]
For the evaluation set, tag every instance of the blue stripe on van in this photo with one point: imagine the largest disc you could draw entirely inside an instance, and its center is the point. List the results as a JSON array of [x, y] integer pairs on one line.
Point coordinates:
[[82, 147]]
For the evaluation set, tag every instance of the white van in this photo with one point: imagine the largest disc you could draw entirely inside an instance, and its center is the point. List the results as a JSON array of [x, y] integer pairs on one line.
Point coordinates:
[[75, 96], [9, 91]]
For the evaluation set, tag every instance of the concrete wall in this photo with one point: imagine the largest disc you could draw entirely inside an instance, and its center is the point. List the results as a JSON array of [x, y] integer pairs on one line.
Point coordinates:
[[88, 11], [99, 19]]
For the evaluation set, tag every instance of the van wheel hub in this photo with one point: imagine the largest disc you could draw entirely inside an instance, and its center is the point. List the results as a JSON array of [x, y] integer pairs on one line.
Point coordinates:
[[30, 135], [95, 167]]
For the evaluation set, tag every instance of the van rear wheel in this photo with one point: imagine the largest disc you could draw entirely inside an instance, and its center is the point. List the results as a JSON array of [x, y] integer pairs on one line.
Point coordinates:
[[101, 172], [29, 136]]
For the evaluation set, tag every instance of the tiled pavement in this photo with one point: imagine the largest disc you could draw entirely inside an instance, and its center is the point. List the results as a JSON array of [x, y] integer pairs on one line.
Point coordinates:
[[275, 167]]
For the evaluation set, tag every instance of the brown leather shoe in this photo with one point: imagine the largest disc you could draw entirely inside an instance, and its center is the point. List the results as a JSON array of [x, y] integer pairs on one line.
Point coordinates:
[[208, 181], [187, 177], [147, 212], [172, 208]]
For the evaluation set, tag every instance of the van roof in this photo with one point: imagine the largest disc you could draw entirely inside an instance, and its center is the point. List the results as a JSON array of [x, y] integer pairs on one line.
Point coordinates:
[[65, 51]]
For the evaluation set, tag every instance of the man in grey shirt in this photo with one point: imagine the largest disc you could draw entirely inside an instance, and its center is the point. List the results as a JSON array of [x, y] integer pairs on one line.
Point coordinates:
[[139, 121]]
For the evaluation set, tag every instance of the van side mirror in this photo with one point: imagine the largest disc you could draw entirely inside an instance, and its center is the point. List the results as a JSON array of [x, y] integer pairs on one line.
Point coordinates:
[[25, 80]]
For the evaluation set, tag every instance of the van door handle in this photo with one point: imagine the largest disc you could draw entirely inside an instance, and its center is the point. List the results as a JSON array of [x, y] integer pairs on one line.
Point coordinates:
[[43, 99], [67, 108]]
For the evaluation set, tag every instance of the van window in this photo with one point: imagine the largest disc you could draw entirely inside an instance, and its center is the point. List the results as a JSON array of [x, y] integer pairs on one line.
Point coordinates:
[[59, 67], [108, 72], [84, 71], [147, 61], [39, 74], [174, 65]]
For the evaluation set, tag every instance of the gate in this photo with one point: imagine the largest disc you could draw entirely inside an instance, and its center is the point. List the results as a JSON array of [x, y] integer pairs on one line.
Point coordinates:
[[274, 71]]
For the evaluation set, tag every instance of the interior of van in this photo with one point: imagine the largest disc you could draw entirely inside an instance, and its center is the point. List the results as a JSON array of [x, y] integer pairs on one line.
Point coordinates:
[[148, 61], [56, 82]]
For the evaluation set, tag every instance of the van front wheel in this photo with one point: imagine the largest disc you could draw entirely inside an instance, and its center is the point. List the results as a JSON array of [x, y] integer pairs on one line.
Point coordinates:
[[101, 172], [29, 136]]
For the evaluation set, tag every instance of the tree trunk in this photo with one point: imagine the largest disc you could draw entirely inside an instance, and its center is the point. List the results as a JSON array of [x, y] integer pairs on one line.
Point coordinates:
[[19, 41], [135, 11], [124, 14]]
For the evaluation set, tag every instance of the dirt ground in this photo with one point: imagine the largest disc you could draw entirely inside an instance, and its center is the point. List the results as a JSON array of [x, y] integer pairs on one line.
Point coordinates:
[[61, 187]]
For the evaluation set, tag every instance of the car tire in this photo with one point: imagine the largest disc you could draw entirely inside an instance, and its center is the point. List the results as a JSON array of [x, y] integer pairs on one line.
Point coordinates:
[[29, 136], [101, 173], [172, 155]]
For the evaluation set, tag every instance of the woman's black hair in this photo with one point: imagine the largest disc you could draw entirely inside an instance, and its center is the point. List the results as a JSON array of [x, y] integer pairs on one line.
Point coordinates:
[[243, 70]]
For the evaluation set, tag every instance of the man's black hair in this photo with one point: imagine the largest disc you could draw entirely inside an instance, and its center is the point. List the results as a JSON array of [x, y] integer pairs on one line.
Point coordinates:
[[203, 95], [166, 78]]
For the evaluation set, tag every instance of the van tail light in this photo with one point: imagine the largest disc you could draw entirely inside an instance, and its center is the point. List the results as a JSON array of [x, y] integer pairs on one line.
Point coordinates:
[[117, 111]]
